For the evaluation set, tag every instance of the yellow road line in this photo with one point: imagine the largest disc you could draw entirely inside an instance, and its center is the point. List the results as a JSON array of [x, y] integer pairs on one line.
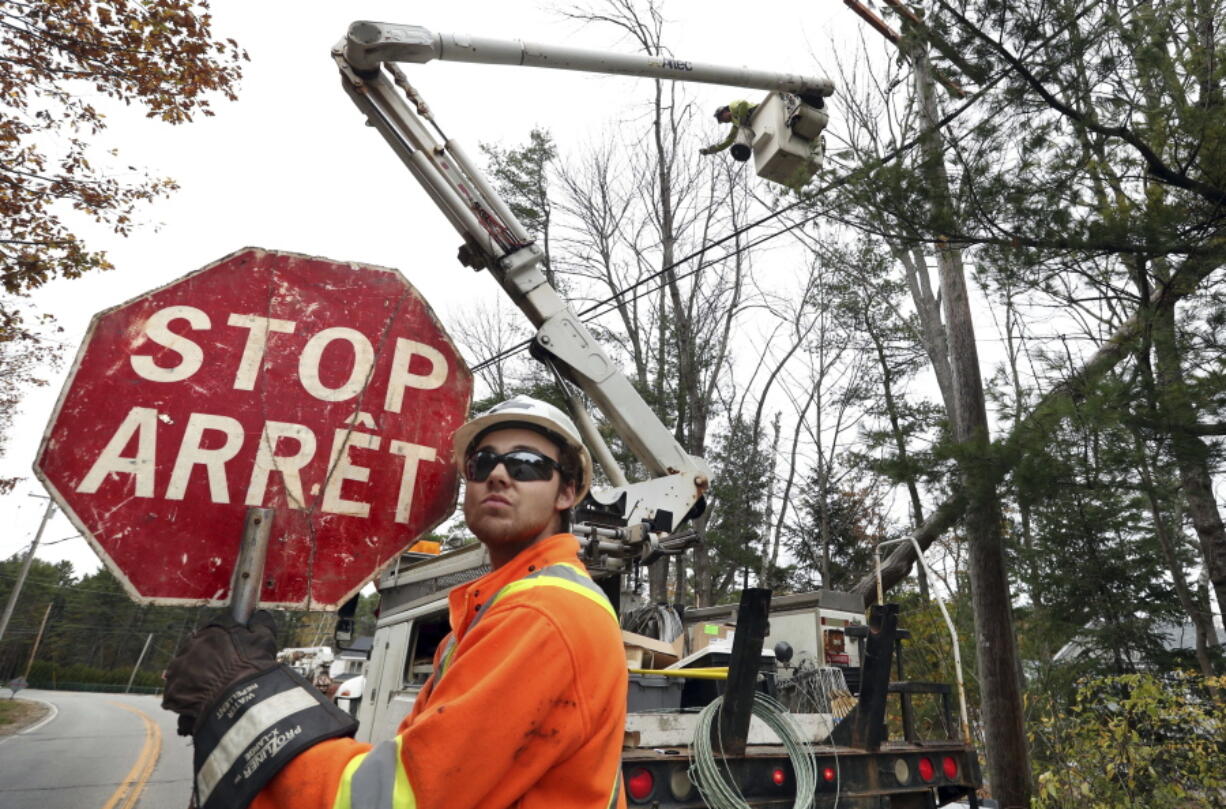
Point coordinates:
[[154, 745], [133, 783]]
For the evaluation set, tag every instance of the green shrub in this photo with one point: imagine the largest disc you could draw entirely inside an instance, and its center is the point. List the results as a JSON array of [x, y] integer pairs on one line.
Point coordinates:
[[1137, 741]]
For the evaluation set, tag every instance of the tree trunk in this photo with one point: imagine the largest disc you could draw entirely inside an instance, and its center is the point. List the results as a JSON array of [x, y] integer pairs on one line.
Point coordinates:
[[780, 521], [1013, 350], [768, 516], [679, 594], [928, 312], [996, 646], [823, 485], [1045, 415], [1201, 620], [1190, 451], [657, 580], [900, 441], [702, 566]]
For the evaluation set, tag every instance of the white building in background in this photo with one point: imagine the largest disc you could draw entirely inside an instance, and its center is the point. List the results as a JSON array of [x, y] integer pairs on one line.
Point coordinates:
[[1174, 637]]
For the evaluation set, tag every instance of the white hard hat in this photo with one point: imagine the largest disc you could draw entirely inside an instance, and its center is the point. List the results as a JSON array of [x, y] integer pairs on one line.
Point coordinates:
[[532, 414]]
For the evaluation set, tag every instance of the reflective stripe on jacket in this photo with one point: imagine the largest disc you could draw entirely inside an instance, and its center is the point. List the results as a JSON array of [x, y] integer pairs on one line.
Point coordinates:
[[526, 707], [566, 576]]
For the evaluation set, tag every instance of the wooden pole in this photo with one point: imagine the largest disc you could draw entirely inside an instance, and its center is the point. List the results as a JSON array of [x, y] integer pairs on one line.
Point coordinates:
[[996, 644], [25, 569], [139, 660], [38, 640]]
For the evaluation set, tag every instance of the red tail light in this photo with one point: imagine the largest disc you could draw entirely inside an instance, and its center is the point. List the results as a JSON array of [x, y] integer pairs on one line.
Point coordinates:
[[640, 784], [828, 774], [779, 777], [926, 770], [949, 766]]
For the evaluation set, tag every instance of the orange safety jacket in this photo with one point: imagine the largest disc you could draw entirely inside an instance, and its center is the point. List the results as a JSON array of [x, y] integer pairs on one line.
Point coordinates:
[[526, 707]]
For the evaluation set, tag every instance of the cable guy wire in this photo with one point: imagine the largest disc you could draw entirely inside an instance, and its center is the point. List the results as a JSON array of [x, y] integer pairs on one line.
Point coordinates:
[[720, 792]]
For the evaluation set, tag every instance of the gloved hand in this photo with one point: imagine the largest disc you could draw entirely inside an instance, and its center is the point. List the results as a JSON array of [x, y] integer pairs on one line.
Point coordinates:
[[247, 715], [214, 658], [704, 151]]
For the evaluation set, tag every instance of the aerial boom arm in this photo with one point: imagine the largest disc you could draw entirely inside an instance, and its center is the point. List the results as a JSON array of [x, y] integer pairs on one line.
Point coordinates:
[[495, 240], [636, 514], [369, 44]]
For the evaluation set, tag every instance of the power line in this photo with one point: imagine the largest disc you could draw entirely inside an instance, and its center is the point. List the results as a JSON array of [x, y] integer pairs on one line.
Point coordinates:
[[72, 587], [885, 160], [584, 315], [92, 629], [881, 162], [65, 539], [701, 267]]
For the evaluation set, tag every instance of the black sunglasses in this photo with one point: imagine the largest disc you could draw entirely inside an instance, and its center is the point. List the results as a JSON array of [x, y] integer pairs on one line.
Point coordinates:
[[524, 465]]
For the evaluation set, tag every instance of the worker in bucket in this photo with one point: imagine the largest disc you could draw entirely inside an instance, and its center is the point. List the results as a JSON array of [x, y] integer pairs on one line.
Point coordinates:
[[526, 706], [738, 113]]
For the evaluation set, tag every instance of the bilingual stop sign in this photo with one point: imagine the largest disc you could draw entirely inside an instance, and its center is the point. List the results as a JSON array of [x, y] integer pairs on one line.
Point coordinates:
[[326, 391]]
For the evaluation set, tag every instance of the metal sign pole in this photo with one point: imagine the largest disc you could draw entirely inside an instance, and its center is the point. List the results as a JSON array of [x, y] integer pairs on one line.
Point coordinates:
[[249, 569]]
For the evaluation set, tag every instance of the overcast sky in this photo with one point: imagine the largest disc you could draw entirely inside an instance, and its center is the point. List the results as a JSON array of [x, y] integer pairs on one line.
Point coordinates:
[[290, 165]]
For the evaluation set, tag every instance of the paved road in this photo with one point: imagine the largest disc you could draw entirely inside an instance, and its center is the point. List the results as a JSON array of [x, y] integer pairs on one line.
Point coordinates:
[[97, 751]]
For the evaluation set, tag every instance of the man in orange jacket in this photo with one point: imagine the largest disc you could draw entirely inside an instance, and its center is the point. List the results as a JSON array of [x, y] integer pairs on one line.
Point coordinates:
[[527, 703]]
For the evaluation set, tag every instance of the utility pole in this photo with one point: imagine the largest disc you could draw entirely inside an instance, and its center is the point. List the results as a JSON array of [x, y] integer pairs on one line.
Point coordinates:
[[139, 660], [1000, 678], [38, 640], [25, 568]]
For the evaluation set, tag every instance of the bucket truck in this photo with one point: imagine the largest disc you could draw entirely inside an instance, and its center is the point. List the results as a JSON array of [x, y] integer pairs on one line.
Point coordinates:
[[812, 640]]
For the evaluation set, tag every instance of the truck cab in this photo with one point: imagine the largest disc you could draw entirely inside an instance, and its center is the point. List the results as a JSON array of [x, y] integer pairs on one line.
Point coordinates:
[[412, 622]]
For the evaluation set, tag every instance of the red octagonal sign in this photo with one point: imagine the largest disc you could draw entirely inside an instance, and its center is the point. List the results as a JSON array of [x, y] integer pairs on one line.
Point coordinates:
[[326, 391]]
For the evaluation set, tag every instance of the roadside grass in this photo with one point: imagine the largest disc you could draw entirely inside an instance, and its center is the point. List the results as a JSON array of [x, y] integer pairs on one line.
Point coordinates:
[[16, 714]]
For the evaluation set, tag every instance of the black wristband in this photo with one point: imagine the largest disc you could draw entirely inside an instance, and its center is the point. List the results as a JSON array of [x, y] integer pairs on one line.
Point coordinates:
[[254, 729]]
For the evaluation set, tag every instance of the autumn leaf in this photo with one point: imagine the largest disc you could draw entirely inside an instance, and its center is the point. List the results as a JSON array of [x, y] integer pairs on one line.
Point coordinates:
[[157, 54]]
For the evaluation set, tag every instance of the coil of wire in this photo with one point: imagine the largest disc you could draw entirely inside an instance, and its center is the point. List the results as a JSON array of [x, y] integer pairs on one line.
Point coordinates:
[[715, 781]]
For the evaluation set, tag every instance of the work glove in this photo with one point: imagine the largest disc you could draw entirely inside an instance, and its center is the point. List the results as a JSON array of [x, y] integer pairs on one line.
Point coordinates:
[[248, 716], [214, 658]]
